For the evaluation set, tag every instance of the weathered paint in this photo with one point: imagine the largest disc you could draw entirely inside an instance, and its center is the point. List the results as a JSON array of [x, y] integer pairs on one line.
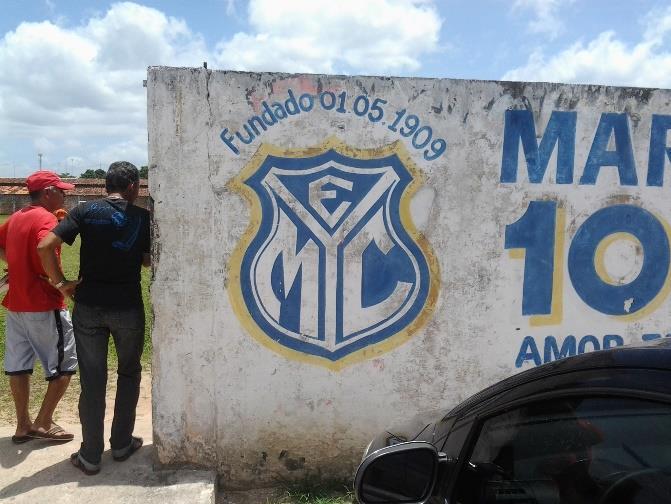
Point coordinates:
[[334, 254], [318, 339]]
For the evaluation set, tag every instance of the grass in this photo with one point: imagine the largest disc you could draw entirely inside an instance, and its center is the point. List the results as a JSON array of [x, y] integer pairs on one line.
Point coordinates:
[[315, 490], [311, 489], [70, 264]]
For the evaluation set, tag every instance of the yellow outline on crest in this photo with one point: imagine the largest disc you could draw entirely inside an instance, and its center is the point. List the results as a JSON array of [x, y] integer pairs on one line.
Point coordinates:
[[237, 184]]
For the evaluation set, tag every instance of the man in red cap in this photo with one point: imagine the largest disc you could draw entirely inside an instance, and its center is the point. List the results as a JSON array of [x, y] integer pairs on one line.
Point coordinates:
[[37, 322]]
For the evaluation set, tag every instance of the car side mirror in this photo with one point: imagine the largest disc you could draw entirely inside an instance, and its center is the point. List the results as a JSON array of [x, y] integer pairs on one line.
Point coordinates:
[[403, 473]]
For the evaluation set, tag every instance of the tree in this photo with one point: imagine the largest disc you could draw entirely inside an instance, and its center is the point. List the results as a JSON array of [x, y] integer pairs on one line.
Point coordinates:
[[66, 175], [90, 173], [144, 172]]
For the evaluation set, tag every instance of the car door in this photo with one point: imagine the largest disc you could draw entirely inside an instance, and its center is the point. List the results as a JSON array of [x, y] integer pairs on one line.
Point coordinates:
[[569, 449]]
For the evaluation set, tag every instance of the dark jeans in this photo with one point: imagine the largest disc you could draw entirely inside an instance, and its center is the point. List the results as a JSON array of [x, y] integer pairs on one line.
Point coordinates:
[[92, 327]]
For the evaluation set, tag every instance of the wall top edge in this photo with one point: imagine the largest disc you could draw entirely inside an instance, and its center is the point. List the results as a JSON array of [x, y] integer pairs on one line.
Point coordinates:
[[153, 71]]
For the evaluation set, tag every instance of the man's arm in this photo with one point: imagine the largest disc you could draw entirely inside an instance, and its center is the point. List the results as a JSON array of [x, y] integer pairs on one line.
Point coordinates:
[[146, 240], [3, 240], [46, 249]]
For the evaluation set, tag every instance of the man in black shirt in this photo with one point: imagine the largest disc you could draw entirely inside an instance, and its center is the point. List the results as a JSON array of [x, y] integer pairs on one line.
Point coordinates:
[[115, 244]]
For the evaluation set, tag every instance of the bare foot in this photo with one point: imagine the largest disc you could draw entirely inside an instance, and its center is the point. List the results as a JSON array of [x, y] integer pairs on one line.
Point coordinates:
[[23, 430], [22, 434]]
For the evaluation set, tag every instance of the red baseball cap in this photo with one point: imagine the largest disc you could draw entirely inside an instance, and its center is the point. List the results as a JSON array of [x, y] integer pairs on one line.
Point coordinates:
[[44, 178]]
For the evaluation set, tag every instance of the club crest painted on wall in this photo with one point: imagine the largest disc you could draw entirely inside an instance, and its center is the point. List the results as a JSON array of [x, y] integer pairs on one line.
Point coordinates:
[[332, 269]]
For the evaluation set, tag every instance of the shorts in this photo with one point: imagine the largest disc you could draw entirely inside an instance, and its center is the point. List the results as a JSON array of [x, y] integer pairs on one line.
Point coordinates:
[[46, 335]]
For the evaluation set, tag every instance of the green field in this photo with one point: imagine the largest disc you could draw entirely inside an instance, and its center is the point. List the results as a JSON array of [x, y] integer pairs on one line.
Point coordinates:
[[70, 263]]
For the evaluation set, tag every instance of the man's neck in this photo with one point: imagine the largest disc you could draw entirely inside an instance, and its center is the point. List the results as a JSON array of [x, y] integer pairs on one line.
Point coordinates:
[[40, 204], [116, 195]]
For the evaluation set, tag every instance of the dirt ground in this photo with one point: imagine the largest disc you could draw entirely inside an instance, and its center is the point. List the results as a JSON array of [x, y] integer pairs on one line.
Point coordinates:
[[40, 471], [67, 409], [29, 470]]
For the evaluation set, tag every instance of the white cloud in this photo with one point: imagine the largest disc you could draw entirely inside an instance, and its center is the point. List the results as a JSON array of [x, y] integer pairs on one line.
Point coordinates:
[[134, 148], [346, 36], [547, 20], [85, 82], [75, 90], [44, 145], [75, 161], [608, 60], [230, 8]]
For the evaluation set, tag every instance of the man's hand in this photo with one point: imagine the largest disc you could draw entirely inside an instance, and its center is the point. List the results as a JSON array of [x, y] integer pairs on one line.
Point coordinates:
[[68, 288]]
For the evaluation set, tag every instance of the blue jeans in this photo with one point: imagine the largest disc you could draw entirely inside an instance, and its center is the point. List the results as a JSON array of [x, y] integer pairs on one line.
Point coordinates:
[[92, 327]]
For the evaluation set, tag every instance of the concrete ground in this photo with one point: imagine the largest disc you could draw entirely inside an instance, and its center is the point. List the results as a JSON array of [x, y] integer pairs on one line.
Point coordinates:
[[40, 471]]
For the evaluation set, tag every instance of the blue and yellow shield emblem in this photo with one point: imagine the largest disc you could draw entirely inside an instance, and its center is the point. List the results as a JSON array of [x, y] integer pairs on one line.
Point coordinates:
[[332, 269]]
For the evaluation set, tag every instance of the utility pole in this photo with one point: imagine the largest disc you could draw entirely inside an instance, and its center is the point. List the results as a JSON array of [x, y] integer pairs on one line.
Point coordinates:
[[39, 156]]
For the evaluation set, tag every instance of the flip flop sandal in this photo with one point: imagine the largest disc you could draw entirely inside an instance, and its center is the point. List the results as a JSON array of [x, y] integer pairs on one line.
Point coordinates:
[[56, 433], [76, 461], [135, 445], [21, 439]]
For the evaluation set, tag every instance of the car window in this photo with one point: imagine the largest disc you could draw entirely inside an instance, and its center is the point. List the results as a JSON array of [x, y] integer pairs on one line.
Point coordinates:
[[456, 438], [603, 450], [453, 446]]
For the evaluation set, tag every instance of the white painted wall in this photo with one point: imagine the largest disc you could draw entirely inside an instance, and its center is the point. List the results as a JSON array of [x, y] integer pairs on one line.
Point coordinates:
[[227, 395]]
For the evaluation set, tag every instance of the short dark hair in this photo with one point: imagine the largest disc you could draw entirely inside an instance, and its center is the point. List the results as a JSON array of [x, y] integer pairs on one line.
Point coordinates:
[[35, 196], [120, 175]]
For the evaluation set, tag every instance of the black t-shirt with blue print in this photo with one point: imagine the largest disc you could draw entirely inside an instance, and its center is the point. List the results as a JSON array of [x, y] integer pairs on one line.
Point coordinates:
[[114, 235]]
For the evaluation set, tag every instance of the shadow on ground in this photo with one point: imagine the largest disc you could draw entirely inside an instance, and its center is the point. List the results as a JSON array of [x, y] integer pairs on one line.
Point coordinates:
[[112, 473], [131, 481], [13, 454]]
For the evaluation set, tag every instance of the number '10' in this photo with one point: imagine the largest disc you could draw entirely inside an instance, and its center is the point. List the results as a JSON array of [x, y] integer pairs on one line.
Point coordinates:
[[535, 232]]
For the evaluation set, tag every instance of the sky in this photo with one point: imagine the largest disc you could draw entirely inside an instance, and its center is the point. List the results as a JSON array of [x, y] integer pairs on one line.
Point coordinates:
[[71, 72]]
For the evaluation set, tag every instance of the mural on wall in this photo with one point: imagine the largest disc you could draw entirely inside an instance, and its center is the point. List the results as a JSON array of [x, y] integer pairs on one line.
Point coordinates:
[[332, 269], [326, 242], [618, 255]]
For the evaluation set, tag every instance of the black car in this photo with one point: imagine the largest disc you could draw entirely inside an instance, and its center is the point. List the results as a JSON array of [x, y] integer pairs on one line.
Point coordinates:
[[592, 429]]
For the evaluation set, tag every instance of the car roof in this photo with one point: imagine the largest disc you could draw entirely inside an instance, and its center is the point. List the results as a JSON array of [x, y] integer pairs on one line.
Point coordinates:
[[653, 356]]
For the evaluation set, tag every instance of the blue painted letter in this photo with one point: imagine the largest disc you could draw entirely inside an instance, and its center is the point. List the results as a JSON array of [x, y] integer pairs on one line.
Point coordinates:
[[560, 131], [659, 152], [228, 140], [622, 157], [528, 351], [551, 351]]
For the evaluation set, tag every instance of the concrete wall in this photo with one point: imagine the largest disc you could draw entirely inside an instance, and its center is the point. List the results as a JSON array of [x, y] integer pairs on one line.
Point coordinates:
[[10, 203], [334, 254]]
